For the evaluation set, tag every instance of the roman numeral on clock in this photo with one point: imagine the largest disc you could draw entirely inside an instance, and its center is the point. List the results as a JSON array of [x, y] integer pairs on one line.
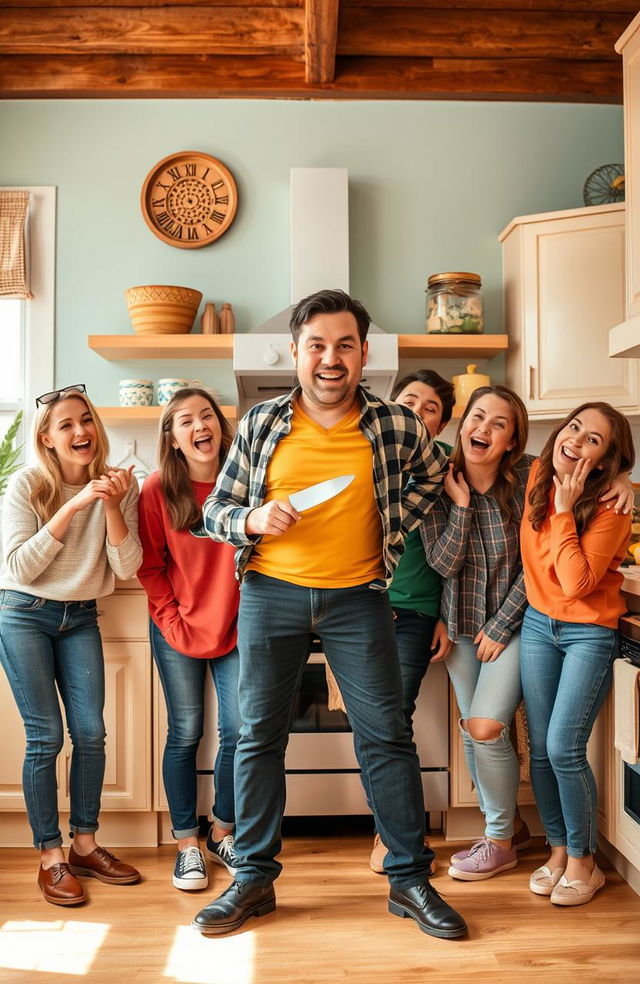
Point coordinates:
[[218, 217], [224, 200]]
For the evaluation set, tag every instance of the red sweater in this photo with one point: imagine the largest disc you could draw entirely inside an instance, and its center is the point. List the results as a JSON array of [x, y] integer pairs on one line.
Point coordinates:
[[189, 578]]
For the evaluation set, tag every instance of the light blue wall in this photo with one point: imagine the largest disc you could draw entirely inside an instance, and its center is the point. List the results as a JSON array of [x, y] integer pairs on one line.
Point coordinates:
[[431, 186]]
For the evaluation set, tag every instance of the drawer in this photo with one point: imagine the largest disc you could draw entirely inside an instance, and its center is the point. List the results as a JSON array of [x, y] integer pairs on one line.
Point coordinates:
[[124, 616]]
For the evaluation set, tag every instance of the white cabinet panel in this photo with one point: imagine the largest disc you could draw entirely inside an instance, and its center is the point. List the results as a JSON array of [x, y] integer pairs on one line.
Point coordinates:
[[564, 292], [127, 715]]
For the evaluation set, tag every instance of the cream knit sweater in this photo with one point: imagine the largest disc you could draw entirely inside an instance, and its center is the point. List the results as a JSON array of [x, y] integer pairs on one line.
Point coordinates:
[[84, 566]]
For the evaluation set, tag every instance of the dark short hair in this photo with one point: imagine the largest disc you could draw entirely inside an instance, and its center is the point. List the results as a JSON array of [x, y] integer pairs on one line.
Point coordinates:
[[431, 378], [328, 302]]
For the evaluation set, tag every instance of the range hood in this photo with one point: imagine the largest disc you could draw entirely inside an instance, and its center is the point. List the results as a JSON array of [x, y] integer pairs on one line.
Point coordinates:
[[262, 360]]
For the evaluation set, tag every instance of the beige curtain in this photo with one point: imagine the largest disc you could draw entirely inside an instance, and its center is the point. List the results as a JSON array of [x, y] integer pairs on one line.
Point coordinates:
[[14, 209]]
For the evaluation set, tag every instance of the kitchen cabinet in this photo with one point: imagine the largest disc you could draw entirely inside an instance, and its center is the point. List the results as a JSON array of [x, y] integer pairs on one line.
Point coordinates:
[[564, 291], [462, 792], [127, 713], [624, 338]]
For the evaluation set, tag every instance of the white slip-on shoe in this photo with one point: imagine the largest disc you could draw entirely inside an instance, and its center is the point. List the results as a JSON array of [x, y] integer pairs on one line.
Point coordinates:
[[544, 880], [578, 892]]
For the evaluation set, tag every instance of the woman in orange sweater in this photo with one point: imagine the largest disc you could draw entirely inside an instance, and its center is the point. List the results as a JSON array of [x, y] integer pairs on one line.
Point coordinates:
[[572, 546]]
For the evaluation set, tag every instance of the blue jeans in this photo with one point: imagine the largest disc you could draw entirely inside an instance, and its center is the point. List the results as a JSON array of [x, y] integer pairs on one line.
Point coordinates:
[[355, 625], [566, 675], [183, 679], [414, 635], [493, 691], [44, 645]]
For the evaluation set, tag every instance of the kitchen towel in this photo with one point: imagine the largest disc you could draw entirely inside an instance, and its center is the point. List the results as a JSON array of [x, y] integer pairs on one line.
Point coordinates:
[[626, 680]]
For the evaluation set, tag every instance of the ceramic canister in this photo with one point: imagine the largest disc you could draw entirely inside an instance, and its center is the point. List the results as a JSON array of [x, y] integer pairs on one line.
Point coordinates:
[[465, 384], [135, 392], [168, 387]]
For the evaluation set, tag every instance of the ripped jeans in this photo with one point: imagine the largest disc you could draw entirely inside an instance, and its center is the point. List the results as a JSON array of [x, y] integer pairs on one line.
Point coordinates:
[[490, 690]]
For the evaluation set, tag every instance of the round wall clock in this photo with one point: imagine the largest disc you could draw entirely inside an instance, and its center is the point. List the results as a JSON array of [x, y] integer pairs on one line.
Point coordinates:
[[189, 199]]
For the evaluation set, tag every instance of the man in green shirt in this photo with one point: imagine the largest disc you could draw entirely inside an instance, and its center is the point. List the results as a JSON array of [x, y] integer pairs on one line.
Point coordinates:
[[415, 590]]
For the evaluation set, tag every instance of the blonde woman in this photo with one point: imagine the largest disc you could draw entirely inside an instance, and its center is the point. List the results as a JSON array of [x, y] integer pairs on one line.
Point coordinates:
[[69, 528]]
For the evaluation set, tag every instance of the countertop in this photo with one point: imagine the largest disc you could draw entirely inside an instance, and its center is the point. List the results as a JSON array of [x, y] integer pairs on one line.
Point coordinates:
[[631, 586]]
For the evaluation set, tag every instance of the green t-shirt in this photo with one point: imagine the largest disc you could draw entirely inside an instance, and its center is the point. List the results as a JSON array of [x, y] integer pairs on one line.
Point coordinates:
[[415, 584]]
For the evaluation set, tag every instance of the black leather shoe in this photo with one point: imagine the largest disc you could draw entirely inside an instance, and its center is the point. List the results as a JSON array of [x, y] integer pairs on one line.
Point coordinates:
[[231, 909], [432, 914]]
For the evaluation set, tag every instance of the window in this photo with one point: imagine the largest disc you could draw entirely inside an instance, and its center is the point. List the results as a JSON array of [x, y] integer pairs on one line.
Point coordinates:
[[27, 327]]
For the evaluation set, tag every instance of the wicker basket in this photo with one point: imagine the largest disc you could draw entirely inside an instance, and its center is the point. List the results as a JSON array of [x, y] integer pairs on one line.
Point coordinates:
[[158, 309]]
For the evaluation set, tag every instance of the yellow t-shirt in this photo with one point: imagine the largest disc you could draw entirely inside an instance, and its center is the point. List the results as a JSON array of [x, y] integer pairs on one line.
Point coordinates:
[[338, 543]]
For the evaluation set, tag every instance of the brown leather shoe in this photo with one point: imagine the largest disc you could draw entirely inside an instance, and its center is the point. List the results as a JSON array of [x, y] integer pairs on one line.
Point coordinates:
[[59, 886], [379, 853], [103, 865]]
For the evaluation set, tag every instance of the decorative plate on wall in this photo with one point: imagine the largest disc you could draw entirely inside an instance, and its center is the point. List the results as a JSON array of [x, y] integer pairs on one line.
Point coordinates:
[[189, 199]]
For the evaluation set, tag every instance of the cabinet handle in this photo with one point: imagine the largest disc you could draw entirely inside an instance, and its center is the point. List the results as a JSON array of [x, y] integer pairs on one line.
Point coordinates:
[[531, 382], [67, 761]]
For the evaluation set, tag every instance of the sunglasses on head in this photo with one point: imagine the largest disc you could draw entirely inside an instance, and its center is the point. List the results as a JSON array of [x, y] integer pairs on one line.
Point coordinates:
[[59, 394]]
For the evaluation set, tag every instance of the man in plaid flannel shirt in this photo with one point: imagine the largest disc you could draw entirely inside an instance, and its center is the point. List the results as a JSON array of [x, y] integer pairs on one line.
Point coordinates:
[[324, 573]]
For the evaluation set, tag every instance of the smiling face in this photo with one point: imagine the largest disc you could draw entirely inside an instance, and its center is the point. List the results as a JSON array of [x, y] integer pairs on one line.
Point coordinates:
[[585, 436], [425, 402], [71, 434], [329, 359], [488, 432], [196, 432]]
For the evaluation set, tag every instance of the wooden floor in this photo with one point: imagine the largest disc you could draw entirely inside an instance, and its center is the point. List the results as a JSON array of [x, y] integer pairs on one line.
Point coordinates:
[[331, 925]]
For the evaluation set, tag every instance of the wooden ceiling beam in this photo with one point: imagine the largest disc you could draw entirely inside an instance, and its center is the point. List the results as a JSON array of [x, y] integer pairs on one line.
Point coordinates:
[[584, 6], [108, 76], [151, 3], [445, 33], [320, 39], [153, 30]]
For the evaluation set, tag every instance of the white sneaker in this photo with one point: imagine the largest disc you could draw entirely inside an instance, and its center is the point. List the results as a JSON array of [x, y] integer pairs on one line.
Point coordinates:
[[190, 870]]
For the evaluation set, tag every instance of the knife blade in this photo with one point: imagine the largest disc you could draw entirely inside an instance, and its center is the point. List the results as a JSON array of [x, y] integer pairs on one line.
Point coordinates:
[[313, 495]]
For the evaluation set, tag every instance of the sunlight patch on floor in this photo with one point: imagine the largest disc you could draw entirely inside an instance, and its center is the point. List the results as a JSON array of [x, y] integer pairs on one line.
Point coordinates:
[[198, 959], [58, 947]]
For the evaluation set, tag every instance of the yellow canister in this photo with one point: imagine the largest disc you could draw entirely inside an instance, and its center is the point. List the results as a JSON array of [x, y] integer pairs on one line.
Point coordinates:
[[465, 384]]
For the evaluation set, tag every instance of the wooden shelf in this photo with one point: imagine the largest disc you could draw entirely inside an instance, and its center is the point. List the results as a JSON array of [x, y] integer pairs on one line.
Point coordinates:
[[123, 347], [451, 346], [147, 415]]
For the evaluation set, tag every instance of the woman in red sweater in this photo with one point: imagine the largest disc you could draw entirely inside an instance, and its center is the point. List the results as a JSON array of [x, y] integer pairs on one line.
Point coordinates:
[[572, 547], [193, 603]]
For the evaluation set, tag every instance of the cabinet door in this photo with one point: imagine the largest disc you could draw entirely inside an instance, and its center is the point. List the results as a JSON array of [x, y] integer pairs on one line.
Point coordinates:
[[13, 746], [462, 791], [631, 63], [127, 715], [573, 296]]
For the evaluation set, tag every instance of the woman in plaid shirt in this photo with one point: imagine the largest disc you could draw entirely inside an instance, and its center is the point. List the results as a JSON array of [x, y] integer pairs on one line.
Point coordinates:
[[471, 539]]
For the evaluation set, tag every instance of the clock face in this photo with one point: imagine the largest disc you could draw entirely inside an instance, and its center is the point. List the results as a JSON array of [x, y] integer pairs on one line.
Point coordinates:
[[189, 199]]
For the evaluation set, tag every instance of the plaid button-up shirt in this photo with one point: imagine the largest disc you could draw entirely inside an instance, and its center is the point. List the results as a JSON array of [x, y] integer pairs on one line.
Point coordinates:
[[408, 471], [478, 555]]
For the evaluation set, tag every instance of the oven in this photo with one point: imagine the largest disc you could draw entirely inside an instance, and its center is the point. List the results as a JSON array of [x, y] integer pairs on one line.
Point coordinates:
[[630, 779], [322, 772]]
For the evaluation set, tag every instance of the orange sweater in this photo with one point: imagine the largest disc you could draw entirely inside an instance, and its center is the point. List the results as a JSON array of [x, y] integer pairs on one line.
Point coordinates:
[[571, 578]]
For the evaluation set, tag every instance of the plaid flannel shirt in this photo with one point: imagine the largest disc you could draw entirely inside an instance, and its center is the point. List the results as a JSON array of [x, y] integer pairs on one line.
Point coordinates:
[[478, 556], [408, 471]]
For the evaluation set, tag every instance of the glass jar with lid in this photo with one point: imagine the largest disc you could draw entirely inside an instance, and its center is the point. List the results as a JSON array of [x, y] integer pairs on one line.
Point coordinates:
[[454, 303]]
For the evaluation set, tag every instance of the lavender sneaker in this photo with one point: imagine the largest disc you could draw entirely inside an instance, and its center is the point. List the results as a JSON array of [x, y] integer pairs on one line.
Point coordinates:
[[485, 859], [520, 842]]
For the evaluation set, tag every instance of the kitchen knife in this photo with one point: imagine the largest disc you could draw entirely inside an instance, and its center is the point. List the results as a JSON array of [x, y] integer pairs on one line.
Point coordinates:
[[315, 494]]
